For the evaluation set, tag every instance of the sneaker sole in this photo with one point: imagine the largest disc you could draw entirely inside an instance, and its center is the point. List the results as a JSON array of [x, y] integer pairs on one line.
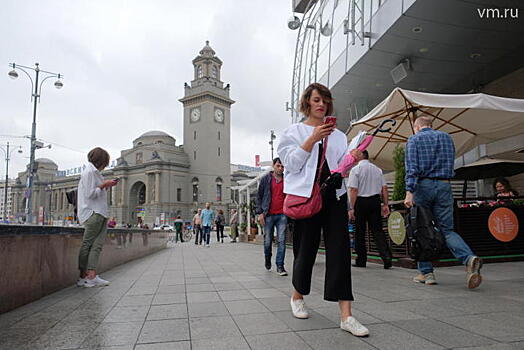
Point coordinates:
[[300, 317], [476, 266], [356, 335], [282, 273], [474, 280], [425, 282]]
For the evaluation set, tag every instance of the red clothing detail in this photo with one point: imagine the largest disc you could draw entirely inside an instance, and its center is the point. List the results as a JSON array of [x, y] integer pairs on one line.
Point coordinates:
[[277, 197]]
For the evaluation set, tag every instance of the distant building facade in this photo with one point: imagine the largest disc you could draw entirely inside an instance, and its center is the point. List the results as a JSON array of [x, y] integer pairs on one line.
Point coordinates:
[[159, 179]]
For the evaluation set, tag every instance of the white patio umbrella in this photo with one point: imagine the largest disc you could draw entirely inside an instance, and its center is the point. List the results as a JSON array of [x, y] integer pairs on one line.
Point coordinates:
[[470, 119]]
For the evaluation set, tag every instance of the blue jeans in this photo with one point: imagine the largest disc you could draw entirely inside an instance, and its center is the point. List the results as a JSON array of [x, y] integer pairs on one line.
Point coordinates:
[[437, 196], [206, 233], [280, 222]]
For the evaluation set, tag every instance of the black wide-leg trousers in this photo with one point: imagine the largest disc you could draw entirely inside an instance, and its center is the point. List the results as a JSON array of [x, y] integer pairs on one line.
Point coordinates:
[[368, 211], [332, 221]]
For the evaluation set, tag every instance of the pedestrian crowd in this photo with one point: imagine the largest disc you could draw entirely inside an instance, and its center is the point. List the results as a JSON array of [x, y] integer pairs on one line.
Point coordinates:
[[309, 152]]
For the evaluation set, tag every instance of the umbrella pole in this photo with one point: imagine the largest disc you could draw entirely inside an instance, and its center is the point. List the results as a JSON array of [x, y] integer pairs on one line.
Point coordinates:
[[464, 190]]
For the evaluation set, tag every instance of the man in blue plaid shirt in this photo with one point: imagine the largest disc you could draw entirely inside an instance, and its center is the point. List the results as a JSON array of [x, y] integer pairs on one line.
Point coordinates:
[[430, 156]]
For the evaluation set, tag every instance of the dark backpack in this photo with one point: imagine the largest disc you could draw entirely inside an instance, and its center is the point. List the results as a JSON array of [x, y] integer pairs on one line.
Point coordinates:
[[425, 238]]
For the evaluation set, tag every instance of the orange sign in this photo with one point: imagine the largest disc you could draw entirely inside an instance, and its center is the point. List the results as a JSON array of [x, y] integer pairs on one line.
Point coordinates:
[[503, 224]]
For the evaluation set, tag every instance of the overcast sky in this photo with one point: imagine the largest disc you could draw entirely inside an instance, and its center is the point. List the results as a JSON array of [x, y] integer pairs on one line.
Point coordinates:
[[125, 64]]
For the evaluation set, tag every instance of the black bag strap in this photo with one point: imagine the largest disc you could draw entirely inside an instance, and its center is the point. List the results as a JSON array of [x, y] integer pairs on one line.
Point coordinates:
[[412, 216], [322, 159]]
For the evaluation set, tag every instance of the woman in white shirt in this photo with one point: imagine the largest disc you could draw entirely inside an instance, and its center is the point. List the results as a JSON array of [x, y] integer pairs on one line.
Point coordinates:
[[300, 150], [93, 213]]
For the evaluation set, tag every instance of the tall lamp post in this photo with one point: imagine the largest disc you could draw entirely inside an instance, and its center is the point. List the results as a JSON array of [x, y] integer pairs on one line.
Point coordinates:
[[7, 158], [273, 137], [36, 91]]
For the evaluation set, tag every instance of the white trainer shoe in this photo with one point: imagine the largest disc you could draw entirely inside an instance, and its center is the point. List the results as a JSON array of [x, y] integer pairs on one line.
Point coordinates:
[[89, 283], [95, 282], [354, 327], [298, 308], [80, 282], [101, 281]]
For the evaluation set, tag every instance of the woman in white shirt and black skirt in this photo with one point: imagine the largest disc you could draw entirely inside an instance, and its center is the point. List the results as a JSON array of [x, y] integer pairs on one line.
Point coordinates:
[[300, 150]]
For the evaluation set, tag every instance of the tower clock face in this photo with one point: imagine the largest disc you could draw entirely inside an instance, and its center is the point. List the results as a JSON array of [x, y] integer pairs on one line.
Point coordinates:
[[219, 115], [195, 115]]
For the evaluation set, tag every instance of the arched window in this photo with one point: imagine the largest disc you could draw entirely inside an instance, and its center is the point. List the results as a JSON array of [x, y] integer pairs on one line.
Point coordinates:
[[142, 194], [219, 189], [195, 189], [200, 73], [214, 72]]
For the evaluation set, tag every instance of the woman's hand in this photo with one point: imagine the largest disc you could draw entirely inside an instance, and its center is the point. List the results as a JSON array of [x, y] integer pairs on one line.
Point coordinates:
[[319, 133], [107, 184], [322, 131]]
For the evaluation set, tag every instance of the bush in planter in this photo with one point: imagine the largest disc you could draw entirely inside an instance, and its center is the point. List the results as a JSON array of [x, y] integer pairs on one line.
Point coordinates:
[[399, 188], [243, 227]]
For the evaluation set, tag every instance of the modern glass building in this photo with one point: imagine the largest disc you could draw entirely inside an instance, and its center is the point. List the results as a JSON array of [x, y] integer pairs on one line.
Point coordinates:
[[363, 49]]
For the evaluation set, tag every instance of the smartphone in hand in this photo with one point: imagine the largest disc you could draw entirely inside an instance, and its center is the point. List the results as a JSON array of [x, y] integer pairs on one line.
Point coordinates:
[[331, 120]]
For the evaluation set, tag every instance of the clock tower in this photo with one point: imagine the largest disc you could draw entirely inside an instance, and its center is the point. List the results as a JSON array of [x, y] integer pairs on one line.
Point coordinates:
[[207, 130]]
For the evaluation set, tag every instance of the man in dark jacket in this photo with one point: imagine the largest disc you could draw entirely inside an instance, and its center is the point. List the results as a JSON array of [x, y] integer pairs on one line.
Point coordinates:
[[270, 210]]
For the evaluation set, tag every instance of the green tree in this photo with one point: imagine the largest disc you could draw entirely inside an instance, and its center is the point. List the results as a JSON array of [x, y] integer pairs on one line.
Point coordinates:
[[399, 188]]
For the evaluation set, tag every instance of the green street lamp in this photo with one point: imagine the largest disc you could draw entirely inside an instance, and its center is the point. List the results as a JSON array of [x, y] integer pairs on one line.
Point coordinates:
[[36, 90]]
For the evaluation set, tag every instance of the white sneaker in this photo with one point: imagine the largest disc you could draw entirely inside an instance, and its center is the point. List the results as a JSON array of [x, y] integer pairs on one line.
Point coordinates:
[[95, 282], [89, 283], [80, 282], [354, 327], [101, 281], [298, 308]]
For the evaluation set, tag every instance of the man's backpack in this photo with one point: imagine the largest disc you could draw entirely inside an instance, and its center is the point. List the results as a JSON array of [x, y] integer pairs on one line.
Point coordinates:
[[425, 238]]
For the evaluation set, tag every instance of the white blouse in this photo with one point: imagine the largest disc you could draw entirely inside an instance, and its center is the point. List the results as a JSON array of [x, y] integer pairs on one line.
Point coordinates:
[[300, 166], [91, 199]]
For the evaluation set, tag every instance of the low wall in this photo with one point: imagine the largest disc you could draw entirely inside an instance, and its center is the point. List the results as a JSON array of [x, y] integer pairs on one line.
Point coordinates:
[[39, 260]]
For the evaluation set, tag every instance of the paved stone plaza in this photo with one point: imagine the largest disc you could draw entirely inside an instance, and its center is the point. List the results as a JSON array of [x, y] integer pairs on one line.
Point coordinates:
[[192, 297]]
